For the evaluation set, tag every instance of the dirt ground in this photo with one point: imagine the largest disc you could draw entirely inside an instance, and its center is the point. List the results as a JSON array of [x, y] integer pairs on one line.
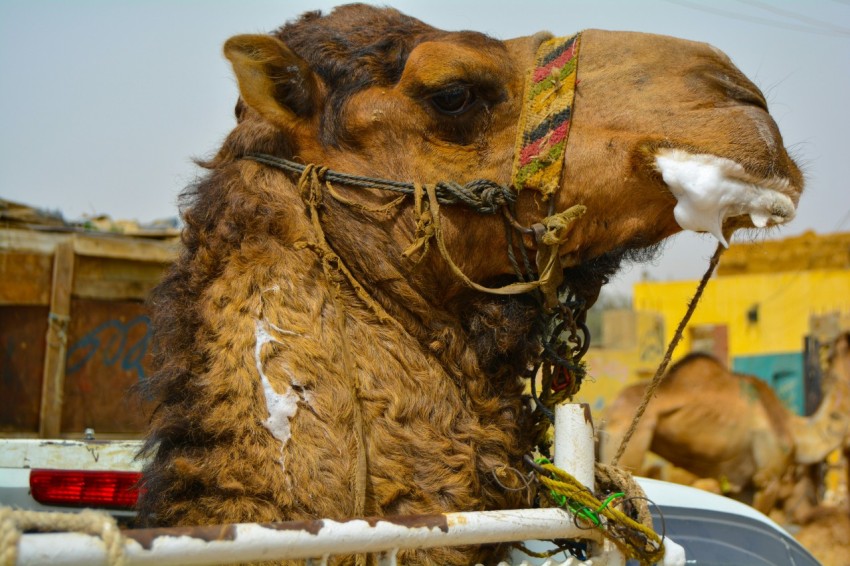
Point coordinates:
[[827, 536]]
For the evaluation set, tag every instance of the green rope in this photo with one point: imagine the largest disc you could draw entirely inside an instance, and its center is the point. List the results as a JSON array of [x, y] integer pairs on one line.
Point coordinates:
[[634, 539]]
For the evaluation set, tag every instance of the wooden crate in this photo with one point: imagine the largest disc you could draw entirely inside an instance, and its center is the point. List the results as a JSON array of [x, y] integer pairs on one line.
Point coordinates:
[[74, 331]]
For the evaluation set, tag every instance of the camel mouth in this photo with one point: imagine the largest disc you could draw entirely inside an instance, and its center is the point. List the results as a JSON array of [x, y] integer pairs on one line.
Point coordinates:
[[711, 189]]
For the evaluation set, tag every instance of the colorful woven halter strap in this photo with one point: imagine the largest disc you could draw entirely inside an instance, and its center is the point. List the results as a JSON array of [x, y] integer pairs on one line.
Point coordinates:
[[546, 114]]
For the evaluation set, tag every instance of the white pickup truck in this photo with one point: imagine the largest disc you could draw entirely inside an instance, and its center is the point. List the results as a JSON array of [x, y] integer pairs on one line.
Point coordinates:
[[75, 338], [64, 475]]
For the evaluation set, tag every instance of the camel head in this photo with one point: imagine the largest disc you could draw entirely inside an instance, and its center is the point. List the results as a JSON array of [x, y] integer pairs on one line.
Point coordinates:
[[665, 134], [828, 428]]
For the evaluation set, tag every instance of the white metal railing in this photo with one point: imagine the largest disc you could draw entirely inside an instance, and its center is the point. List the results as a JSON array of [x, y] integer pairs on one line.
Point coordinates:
[[301, 540], [315, 541]]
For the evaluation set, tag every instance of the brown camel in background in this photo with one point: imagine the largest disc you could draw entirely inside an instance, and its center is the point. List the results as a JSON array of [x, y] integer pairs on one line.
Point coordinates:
[[732, 431]]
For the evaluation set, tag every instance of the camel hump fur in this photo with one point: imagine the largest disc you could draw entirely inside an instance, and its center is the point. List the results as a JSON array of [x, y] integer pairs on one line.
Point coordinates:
[[317, 352]]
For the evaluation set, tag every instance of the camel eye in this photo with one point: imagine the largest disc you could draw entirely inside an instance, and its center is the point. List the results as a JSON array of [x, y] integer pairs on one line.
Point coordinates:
[[454, 100]]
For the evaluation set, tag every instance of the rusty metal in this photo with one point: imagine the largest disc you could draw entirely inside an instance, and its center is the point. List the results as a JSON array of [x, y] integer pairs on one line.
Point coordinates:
[[302, 540], [70, 454], [310, 539], [384, 537]]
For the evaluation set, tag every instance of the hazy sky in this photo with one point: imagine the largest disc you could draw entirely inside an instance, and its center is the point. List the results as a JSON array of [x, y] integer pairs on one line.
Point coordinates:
[[103, 104]]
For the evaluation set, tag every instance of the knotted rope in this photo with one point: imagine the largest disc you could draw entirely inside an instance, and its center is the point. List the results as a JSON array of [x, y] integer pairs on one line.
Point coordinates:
[[481, 195], [310, 189], [553, 233], [13, 522], [58, 326], [636, 539]]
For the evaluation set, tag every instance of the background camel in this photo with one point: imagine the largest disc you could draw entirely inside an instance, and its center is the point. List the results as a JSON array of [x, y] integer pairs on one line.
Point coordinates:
[[733, 430], [318, 355]]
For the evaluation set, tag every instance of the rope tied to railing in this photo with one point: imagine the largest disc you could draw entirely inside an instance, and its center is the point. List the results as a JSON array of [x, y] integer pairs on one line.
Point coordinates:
[[635, 538]]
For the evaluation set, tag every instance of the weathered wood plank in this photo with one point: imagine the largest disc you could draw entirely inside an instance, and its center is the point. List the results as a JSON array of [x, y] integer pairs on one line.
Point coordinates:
[[25, 278], [115, 279], [57, 340], [22, 346], [105, 245], [12, 239], [90, 244], [108, 356], [85, 366]]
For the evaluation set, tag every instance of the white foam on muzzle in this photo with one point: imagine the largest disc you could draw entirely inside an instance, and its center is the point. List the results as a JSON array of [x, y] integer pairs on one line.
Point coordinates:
[[709, 189]]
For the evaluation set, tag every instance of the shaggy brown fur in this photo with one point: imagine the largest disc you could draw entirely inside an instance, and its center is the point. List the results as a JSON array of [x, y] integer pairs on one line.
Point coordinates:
[[257, 408], [440, 421]]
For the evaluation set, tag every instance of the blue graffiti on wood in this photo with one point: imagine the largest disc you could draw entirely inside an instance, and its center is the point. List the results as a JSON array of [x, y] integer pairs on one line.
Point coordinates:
[[111, 342]]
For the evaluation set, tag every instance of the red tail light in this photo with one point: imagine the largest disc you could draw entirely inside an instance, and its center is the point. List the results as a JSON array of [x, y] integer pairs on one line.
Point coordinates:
[[78, 488]]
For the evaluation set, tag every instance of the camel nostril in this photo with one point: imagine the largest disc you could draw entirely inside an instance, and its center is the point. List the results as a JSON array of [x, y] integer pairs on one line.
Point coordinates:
[[781, 212]]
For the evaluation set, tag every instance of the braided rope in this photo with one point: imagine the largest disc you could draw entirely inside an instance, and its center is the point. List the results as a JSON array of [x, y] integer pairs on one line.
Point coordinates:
[[611, 478], [662, 368], [550, 272], [13, 522], [310, 189], [481, 195]]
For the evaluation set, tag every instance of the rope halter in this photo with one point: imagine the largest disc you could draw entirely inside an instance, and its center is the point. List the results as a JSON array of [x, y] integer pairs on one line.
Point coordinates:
[[538, 165]]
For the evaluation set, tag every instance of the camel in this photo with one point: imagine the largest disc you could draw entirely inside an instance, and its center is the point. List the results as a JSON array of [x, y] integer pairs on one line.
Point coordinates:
[[328, 348], [731, 431]]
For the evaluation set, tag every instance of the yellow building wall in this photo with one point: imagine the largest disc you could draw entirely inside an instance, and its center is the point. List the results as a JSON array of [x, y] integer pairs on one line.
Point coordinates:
[[631, 348], [784, 301]]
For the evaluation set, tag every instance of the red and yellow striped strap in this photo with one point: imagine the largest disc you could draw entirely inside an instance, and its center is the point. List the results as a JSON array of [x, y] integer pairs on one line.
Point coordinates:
[[546, 115]]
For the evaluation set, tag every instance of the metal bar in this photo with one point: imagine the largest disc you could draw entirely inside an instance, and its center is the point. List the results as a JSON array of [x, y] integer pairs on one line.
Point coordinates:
[[574, 453], [302, 539], [574, 450], [315, 541], [70, 454]]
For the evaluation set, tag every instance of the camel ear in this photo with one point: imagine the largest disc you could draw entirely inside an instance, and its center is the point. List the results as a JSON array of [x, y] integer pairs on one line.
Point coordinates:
[[273, 80]]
